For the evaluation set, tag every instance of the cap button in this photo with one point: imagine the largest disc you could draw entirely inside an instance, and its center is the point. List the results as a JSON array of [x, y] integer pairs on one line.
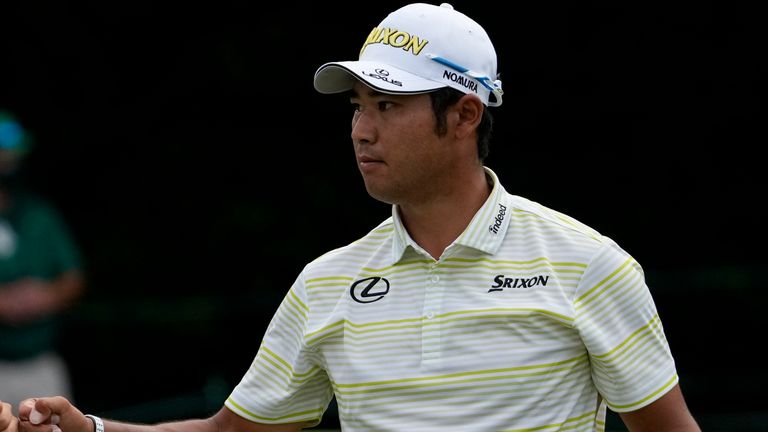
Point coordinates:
[[446, 5]]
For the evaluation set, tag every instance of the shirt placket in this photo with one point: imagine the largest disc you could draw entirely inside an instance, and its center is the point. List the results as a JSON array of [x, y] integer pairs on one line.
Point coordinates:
[[431, 328]]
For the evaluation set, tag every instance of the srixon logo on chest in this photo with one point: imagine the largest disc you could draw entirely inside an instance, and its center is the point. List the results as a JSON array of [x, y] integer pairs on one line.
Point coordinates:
[[500, 282], [494, 228]]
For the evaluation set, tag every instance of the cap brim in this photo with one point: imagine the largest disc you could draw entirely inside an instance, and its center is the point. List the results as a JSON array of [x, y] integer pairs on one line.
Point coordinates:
[[337, 77]]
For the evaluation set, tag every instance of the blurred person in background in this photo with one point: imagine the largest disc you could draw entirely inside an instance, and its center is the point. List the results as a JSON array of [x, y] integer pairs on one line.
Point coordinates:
[[40, 277]]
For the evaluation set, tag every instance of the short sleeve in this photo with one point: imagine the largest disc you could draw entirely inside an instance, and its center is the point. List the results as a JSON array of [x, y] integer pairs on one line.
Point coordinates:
[[616, 316], [286, 381], [61, 244]]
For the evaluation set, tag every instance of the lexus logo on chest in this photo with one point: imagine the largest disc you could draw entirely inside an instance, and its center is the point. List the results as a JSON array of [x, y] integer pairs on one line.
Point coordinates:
[[369, 290]]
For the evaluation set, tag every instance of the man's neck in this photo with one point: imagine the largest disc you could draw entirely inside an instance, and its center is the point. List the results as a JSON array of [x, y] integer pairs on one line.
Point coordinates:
[[436, 223]]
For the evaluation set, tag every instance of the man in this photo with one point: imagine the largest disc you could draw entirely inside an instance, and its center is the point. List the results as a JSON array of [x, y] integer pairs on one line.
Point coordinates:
[[41, 277], [469, 309]]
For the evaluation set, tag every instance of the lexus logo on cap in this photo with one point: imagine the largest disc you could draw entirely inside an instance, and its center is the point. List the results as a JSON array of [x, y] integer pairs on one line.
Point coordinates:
[[369, 290], [383, 75]]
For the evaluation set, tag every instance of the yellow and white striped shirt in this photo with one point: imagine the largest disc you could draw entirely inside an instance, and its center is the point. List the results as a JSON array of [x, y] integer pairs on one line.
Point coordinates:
[[530, 320]]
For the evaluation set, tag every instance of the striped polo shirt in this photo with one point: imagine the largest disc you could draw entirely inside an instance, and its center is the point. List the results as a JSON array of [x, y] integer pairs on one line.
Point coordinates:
[[529, 320]]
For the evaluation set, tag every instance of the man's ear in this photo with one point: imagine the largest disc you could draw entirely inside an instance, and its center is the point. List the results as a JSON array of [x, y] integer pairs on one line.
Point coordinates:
[[468, 113]]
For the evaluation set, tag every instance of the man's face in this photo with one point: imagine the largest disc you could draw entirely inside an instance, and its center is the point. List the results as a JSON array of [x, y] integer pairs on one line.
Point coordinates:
[[398, 151]]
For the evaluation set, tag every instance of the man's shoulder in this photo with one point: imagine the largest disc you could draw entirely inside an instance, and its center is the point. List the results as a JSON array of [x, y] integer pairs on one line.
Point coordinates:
[[360, 249], [33, 206], [525, 208]]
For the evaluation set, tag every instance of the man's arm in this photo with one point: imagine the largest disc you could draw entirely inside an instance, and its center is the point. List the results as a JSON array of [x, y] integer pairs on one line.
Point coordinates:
[[669, 413], [8, 422], [36, 415]]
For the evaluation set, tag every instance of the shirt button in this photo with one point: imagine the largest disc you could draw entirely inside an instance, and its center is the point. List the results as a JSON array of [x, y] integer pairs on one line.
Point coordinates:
[[430, 315], [435, 278]]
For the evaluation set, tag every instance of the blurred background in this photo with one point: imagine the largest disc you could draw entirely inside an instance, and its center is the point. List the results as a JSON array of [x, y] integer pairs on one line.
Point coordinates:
[[187, 150]]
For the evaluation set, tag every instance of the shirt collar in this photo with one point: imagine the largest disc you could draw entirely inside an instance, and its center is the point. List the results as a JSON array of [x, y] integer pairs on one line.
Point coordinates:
[[485, 231]]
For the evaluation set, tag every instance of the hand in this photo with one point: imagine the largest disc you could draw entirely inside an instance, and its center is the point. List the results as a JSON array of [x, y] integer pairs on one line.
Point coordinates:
[[26, 299], [8, 422], [51, 414]]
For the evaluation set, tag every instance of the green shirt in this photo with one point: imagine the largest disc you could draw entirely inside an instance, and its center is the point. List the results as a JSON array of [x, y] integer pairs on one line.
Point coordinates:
[[34, 242]]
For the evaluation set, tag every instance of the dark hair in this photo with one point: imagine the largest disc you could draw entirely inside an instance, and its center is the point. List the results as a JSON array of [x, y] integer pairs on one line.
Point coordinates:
[[446, 97]]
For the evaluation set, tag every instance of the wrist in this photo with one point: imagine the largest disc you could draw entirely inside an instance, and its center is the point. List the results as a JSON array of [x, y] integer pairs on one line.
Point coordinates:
[[98, 424]]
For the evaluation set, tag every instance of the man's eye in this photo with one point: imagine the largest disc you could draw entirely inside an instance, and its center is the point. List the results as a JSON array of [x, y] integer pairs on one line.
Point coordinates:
[[384, 105], [355, 107]]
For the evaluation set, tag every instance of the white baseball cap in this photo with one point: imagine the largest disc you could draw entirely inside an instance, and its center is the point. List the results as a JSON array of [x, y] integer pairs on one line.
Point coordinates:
[[417, 49]]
